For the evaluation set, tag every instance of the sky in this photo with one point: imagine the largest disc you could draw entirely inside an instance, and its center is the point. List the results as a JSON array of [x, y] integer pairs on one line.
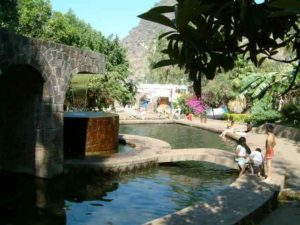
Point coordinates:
[[116, 17]]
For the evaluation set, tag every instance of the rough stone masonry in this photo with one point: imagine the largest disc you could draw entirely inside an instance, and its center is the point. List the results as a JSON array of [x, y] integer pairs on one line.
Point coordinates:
[[34, 78]]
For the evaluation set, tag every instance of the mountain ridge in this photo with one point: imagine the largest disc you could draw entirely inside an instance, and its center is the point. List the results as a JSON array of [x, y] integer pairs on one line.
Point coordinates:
[[138, 41]]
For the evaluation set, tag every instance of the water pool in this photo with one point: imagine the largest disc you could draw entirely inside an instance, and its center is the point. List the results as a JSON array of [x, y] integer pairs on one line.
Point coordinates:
[[96, 200], [135, 198], [178, 136]]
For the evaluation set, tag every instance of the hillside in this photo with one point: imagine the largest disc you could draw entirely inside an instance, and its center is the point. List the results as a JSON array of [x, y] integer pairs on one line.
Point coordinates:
[[138, 41]]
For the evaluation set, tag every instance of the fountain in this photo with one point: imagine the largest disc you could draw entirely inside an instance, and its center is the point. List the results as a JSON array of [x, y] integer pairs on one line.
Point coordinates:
[[89, 132]]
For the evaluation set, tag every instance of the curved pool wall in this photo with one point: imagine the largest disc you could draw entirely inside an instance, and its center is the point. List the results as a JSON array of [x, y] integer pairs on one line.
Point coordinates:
[[90, 132]]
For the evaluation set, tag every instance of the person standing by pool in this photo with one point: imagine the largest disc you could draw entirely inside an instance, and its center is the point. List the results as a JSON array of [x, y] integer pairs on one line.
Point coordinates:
[[270, 144]]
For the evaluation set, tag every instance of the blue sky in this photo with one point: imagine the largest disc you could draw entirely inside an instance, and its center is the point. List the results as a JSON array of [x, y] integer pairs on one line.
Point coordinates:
[[108, 16]]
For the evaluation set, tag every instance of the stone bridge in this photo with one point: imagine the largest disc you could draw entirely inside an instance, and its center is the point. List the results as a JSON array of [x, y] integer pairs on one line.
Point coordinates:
[[34, 77]]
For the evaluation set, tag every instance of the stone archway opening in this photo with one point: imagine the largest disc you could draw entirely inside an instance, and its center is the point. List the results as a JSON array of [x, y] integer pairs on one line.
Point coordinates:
[[21, 90], [76, 98]]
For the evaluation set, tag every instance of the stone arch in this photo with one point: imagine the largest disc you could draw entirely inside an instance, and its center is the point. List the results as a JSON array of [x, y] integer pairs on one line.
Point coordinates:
[[21, 89], [47, 64], [40, 64], [80, 69], [44, 150]]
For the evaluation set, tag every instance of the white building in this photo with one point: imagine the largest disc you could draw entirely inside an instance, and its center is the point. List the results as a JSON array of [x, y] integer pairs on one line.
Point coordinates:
[[149, 95]]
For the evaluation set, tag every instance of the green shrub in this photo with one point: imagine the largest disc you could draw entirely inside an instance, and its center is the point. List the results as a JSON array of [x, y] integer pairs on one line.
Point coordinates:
[[291, 111], [262, 112], [181, 103], [243, 118]]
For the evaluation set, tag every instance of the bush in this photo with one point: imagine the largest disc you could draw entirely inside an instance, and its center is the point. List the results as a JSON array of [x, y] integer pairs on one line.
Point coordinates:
[[291, 111], [181, 103], [243, 118], [262, 112]]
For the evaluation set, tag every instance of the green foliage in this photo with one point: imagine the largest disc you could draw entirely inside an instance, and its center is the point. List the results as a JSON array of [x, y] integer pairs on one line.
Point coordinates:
[[181, 103], [76, 96], [291, 111], [33, 17], [243, 118], [104, 89], [69, 30], [88, 91], [259, 84], [8, 14], [262, 111], [36, 19], [116, 57], [163, 75], [60, 29], [218, 91], [209, 35]]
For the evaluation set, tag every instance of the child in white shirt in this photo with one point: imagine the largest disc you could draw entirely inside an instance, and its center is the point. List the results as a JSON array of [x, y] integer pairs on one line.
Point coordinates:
[[241, 155], [256, 161]]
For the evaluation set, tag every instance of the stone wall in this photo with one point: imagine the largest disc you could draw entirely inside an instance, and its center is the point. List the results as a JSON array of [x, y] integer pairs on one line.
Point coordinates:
[[34, 77], [282, 131]]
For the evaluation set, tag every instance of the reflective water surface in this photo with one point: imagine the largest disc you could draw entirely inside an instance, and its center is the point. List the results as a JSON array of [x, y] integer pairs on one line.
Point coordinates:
[[178, 136], [134, 198], [94, 199]]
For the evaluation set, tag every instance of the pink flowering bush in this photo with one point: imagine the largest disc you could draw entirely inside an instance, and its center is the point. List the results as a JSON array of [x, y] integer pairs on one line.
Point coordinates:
[[196, 105]]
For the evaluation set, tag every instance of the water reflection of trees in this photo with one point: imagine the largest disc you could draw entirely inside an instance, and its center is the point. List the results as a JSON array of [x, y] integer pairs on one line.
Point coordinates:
[[26, 200], [196, 181]]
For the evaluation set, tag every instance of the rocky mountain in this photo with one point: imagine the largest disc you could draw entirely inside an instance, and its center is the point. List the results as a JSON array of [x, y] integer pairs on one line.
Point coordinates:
[[138, 42]]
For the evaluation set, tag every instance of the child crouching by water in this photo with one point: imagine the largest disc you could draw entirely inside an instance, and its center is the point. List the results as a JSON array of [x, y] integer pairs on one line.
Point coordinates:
[[241, 155], [256, 162]]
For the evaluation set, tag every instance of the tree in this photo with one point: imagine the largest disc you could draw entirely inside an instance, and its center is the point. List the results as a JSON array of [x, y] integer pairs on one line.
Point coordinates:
[[218, 91], [165, 75], [104, 90], [33, 17], [8, 14], [209, 35]]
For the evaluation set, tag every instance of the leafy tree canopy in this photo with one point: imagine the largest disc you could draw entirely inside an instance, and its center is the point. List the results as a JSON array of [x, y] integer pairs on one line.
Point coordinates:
[[209, 35], [35, 18], [8, 14], [164, 75]]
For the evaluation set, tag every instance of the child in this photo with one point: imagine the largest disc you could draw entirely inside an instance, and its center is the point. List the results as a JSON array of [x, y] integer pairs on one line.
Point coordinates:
[[230, 127], [256, 161], [242, 156], [248, 127], [190, 116]]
